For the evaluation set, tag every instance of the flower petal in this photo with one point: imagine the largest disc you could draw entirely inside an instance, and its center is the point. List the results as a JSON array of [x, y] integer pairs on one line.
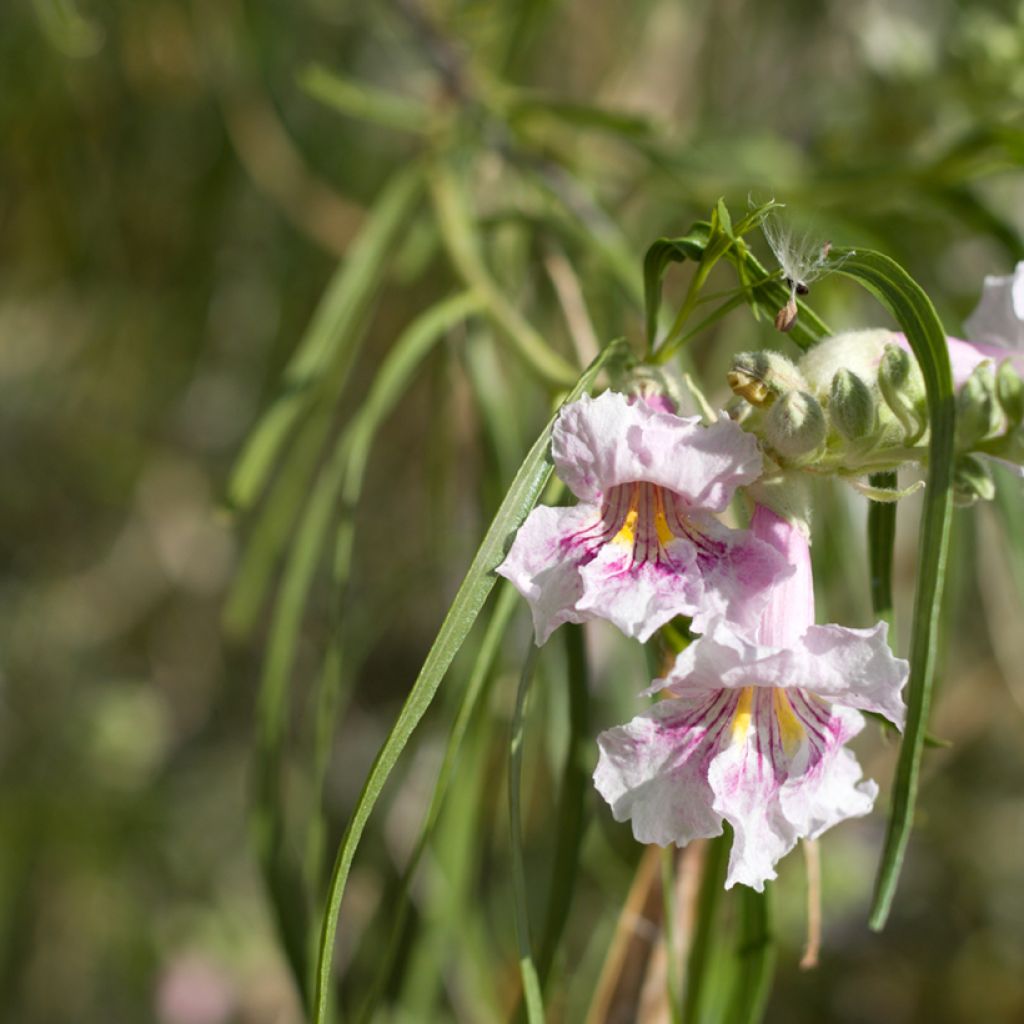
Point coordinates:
[[787, 777], [600, 443], [741, 574], [654, 770], [543, 563], [854, 667], [640, 596], [998, 319]]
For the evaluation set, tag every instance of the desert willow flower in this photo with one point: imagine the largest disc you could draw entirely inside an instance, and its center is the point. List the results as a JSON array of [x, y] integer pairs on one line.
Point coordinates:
[[643, 544], [754, 727]]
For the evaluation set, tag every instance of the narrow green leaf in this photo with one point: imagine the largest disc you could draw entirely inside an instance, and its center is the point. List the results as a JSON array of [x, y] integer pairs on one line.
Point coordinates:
[[362, 101], [459, 234], [273, 524], [659, 256], [914, 312], [724, 218], [477, 584], [531, 983], [668, 913], [881, 537], [345, 472], [475, 691], [699, 960], [527, 105], [329, 347], [344, 469], [764, 290], [755, 954], [571, 800]]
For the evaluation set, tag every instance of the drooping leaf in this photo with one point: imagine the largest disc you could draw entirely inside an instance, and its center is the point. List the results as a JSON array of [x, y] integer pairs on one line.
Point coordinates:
[[329, 347], [914, 312], [520, 499]]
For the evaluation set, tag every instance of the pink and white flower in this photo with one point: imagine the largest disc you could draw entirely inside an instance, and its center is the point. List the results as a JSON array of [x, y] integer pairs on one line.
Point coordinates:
[[997, 322], [754, 730], [642, 546]]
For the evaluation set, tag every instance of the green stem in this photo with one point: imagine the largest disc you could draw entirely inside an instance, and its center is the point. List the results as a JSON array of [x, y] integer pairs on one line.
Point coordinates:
[[881, 537]]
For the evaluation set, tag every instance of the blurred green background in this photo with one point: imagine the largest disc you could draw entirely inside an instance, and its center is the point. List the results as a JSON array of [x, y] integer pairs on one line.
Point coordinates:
[[176, 191]]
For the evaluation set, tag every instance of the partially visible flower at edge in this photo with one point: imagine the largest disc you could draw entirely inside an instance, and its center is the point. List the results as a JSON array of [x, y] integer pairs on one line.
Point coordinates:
[[997, 323], [754, 729], [642, 546]]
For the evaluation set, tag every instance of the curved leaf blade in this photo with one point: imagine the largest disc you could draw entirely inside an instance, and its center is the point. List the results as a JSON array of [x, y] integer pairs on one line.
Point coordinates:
[[328, 348], [520, 499], [914, 312]]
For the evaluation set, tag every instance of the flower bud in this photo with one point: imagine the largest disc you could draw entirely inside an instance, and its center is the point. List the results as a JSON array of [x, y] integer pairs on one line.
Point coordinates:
[[795, 427], [786, 317], [1010, 391], [851, 406], [977, 412], [761, 377], [656, 386], [902, 387], [972, 481]]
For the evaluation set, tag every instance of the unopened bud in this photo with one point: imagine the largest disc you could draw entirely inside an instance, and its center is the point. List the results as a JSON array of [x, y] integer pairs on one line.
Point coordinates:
[[1010, 391], [786, 317], [977, 412], [761, 377], [795, 427], [902, 387], [972, 481], [851, 405], [655, 386]]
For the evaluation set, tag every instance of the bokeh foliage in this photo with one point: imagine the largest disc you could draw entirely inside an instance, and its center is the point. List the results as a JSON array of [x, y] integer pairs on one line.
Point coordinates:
[[178, 183]]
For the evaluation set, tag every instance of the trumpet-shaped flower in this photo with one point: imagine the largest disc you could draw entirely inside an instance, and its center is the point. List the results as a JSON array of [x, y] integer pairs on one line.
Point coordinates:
[[642, 545], [754, 729]]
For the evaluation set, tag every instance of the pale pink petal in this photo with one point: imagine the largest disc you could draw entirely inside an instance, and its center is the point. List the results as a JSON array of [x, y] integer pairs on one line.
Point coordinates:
[[785, 775], [640, 596], [772, 764], [855, 667], [653, 771], [966, 356], [998, 319], [790, 608], [605, 442], [543, 562]]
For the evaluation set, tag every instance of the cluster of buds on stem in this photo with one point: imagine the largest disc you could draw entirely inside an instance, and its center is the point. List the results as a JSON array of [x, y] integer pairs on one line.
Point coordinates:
[[856, 404]]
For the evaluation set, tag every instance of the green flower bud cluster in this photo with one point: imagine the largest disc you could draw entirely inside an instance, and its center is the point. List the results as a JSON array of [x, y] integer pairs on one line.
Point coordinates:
[[856, 404], [850, 400]]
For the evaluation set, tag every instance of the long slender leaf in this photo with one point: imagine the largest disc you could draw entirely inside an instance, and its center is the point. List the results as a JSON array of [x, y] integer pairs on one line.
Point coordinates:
[[459, 234], [669, 936], [344, 471], [359, 100], [346, 464], [531, 982], [881, 537], [698, 962], [328, 348], [913, 310], [756, 955], [766, 292], [268, 536], [476, 585], [571, 799], [471, 698]]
